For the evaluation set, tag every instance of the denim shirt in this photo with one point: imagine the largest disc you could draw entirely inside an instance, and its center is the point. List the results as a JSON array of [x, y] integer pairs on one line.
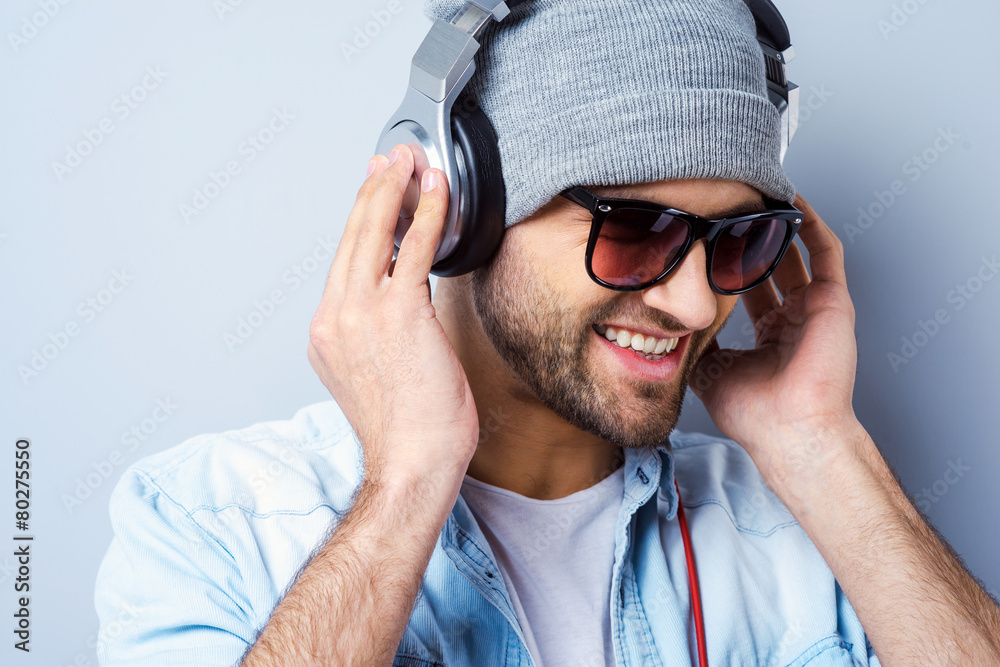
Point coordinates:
[[210, 533]]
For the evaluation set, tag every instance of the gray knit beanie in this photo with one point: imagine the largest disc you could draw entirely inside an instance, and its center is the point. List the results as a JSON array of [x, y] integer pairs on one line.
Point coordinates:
[[606, 92]]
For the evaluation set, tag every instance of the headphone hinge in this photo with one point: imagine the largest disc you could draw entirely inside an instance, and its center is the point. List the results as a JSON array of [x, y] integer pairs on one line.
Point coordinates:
[[497, 8], [441, 60]]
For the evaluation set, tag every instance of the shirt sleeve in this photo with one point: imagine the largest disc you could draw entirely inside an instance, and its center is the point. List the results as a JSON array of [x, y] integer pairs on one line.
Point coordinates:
[[851, 630], [872, 658], [167, 591]]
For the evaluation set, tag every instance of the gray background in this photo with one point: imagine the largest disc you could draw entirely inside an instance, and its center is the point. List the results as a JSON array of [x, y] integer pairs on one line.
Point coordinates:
[[872, 99]]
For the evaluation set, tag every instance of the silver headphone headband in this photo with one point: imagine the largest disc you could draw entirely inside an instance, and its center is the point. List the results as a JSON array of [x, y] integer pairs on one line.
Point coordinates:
[[444, 64]]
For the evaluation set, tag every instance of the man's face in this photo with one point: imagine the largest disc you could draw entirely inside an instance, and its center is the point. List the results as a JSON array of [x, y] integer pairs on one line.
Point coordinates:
[[539, 309]]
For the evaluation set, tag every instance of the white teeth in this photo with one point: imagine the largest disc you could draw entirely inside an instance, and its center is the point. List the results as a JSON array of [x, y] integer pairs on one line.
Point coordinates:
[[638, 342]]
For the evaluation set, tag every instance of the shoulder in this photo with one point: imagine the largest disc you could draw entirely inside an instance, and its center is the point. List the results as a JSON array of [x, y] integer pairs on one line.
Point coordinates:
[[713, 470], [292, 465], [208, 533], [246, 505]]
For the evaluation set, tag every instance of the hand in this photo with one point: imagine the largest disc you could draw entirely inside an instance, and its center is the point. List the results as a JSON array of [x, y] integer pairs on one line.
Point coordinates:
[[799, 380], [377, 345]]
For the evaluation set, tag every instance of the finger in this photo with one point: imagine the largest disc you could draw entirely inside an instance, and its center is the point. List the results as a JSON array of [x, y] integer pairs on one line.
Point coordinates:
[[791, 273], [826, 252], [761, 304], [760, 301], [426, 284], [341, 258], [373, 248], [416, 251]]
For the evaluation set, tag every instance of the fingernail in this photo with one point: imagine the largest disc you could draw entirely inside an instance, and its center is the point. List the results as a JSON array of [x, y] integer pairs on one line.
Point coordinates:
[[393, 155], [430, 180], [371, 166]]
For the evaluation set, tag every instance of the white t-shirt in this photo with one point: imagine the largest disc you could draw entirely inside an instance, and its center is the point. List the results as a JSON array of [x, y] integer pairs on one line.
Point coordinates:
[[556, 557]]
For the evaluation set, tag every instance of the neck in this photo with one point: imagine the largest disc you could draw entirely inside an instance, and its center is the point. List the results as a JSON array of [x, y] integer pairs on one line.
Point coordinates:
[[523, 446]]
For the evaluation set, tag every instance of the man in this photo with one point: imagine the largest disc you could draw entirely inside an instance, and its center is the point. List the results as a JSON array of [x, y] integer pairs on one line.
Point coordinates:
[[494, 481]]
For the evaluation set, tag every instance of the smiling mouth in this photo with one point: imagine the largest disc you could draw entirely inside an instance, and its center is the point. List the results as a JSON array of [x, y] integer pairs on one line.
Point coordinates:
[[647, 347]]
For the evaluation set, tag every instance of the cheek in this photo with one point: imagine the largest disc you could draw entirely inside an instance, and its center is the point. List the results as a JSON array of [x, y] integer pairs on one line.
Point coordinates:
[[553, 254], [559, 257], [569, 245], [559, 274], [570, 253], [725, 306]]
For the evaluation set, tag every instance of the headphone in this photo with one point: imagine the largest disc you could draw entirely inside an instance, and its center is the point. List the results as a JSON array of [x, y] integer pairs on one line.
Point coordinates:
[[459, 139]]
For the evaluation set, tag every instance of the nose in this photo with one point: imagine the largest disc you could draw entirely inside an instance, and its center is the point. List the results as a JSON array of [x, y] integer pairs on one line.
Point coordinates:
[[685, 293]]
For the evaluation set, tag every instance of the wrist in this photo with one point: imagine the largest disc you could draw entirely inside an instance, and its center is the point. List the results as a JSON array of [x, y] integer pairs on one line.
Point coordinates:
[[401, 511], [418, 490], [806, 458]]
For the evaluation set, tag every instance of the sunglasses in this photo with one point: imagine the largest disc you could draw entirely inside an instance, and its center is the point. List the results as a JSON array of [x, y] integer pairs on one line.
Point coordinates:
[[634, 244]]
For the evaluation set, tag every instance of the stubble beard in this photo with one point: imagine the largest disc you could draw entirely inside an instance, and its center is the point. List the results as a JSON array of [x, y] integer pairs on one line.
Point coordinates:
[[547, 346]]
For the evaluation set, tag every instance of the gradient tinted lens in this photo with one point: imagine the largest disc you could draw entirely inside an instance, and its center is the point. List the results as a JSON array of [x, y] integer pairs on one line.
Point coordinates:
[[635, 246], [746, 251]]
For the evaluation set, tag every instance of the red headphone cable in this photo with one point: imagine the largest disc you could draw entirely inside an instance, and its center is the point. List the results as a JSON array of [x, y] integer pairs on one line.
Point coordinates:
[[699, 623]]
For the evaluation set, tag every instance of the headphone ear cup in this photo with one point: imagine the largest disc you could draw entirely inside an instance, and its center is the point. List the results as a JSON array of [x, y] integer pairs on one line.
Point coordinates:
[[474, 137]]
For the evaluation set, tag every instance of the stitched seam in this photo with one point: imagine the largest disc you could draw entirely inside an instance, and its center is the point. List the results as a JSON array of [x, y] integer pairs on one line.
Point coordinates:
[[418, 658], [739, 527], [159, 490], [183, 510], [259, 515], [834, 641], [483, 559], [651, 651], [620, 610]]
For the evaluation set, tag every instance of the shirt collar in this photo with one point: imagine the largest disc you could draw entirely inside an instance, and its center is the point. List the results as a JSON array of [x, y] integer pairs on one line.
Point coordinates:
[[646, 471], [649, 471]]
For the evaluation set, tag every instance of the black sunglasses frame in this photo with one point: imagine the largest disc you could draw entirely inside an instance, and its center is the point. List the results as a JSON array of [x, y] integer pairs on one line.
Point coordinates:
[[698, 228]]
